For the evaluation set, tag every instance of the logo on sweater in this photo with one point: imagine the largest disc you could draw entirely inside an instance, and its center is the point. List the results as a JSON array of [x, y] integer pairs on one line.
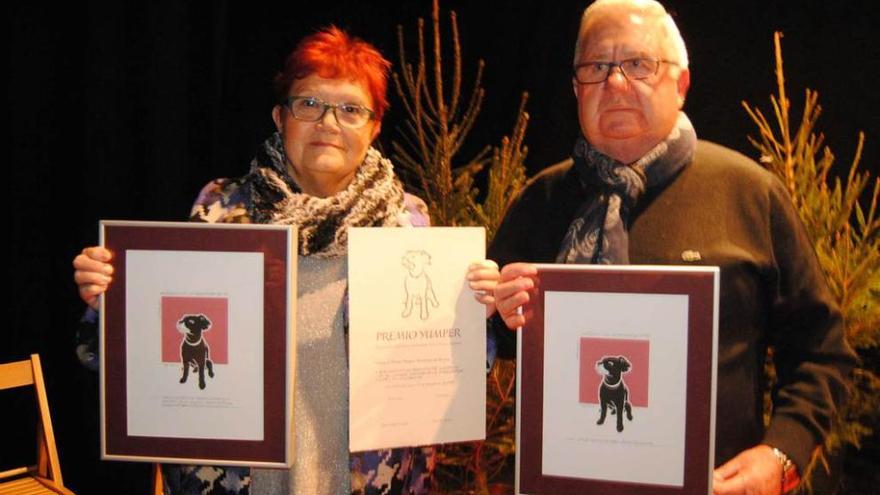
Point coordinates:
[[691, 256]]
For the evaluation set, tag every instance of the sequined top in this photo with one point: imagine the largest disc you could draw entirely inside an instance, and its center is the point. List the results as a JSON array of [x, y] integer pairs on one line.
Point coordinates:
[[321, 392]]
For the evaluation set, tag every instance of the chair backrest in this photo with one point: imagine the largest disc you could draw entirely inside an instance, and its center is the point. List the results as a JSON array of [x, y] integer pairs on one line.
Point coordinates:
[[158, 483], [28, 373]]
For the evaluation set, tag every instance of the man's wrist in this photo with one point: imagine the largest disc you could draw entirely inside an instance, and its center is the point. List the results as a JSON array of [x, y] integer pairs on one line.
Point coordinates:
[[790, 476]]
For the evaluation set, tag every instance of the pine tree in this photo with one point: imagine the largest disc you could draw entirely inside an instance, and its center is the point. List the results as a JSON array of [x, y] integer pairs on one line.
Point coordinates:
[[841, 219]]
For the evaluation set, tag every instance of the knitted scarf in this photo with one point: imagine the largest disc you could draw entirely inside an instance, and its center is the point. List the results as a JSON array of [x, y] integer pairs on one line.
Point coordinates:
[[598, 234], [374, 198]]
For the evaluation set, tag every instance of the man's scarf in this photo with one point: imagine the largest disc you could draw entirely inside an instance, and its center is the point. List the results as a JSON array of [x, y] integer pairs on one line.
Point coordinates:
[[599, 232], [374, 198]]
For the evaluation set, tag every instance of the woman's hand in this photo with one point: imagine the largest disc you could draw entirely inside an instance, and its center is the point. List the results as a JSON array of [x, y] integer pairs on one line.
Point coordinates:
[[512, 292], [482, 277], [92, 273]]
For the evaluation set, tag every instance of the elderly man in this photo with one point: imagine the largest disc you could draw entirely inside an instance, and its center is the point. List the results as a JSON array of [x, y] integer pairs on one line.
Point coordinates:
[[641, 188]]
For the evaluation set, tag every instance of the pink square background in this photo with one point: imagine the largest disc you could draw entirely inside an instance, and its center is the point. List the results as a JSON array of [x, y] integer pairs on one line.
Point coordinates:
[[637, 352], [214, 308]]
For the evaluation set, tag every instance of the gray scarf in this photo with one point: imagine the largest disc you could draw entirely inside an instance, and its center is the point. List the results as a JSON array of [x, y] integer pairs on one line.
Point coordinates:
[[598, 234], [374, 198]]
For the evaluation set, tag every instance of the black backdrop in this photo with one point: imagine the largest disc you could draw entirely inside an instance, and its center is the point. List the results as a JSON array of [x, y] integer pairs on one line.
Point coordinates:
[[124, 110]]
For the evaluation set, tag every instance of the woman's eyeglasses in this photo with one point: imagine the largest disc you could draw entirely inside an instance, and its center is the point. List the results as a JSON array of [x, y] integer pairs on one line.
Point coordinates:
[[311, 109]]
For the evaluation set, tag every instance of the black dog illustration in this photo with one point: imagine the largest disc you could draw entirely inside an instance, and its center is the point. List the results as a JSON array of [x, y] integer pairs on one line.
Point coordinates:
[[613, 393], [194, 350]]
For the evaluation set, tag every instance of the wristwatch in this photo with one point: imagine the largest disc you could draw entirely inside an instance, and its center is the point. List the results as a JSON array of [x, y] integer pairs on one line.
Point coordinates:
[[790, 477]]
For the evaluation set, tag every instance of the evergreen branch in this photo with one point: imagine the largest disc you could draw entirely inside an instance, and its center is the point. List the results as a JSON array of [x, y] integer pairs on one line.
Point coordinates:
[[456, 60], [406, 104]]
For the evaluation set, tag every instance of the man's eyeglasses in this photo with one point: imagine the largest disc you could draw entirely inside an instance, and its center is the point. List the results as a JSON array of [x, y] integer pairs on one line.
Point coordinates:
[[311, 109], [631, 68]]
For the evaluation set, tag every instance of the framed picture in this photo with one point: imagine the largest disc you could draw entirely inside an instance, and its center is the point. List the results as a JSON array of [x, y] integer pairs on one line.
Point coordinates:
[[616, 381], [198, 343]]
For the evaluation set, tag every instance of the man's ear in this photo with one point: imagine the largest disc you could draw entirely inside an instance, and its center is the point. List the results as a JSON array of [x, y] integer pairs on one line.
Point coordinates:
[[276, 117], [684, 83]]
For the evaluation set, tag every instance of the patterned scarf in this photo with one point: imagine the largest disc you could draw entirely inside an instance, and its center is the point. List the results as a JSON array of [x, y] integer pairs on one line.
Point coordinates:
[[598, 234], [374, 198]]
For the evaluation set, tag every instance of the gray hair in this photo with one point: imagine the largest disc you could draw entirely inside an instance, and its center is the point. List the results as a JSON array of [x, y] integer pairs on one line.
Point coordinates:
[[670, 38]]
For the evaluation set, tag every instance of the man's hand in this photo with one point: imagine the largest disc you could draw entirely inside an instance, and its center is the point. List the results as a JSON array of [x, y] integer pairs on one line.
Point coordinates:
[[512, 292], [755, 471]]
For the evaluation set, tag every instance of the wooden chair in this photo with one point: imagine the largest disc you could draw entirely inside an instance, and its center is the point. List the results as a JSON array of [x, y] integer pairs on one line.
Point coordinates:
[[45, 476], [158, 488]]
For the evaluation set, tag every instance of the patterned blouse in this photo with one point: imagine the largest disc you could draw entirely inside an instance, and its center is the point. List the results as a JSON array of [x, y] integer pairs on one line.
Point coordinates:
[[391, 471]]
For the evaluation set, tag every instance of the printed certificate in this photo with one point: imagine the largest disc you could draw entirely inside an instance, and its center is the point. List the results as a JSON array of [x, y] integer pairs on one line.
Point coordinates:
[[616, 383], [196, 343], [417, 338]]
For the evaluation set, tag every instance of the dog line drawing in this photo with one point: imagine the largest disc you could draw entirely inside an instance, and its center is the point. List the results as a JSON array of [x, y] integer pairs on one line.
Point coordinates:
[[613, 392], [194, 350], [417, 284]]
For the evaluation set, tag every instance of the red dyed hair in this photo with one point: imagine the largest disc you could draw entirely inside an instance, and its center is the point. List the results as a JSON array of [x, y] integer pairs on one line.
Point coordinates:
[[332, 53]]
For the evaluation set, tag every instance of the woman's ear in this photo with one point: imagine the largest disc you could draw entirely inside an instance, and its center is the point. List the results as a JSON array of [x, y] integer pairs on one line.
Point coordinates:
[[276, 117], [376, 129]]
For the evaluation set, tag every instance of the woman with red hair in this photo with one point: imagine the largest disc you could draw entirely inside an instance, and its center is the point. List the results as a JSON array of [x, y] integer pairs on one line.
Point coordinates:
[[318, 172]]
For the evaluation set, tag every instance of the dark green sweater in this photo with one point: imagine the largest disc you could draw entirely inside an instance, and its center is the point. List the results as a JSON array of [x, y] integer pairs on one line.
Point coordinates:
[[740, 218]]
